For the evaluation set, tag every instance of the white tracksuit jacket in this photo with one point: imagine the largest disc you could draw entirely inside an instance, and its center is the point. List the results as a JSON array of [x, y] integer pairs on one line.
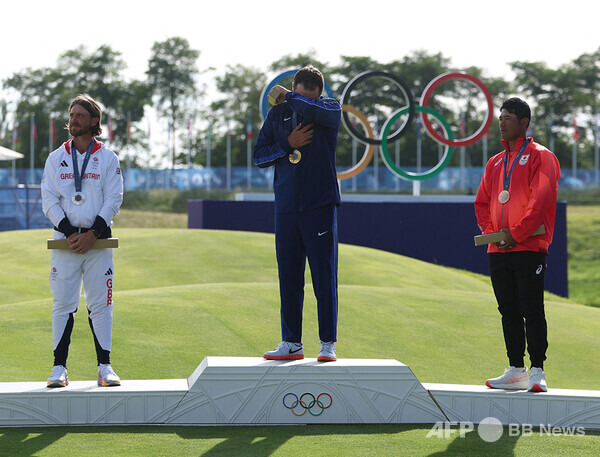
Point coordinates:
[[102, 186]]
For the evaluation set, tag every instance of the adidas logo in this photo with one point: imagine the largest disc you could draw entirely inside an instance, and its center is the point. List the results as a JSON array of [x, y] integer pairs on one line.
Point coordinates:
[[108, 272], [64, 163]]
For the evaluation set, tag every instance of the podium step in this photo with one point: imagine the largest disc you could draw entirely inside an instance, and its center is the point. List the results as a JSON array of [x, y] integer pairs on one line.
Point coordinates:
[[349, 391], [557, 407], [85, 403]]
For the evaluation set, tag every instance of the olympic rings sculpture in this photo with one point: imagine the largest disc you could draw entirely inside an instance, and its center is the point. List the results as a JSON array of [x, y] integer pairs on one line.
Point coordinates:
[[307, 407], [424, 110]]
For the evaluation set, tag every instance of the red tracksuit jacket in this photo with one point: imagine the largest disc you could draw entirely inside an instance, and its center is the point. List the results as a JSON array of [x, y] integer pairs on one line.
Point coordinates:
[[532, 202]]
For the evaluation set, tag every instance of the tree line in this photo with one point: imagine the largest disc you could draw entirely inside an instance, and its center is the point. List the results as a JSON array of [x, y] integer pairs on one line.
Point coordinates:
[[563, 100]]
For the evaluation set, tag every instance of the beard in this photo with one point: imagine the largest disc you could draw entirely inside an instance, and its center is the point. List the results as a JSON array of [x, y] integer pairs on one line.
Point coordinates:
[[79, 131]]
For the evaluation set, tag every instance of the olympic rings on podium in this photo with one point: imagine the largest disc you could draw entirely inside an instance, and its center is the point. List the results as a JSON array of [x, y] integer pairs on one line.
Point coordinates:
[[307, 407], [406, 174], [485, 125], [405, 90]]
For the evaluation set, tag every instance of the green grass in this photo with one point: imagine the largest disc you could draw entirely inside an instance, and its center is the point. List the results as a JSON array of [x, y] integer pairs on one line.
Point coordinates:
[[219, 291], [130, 218], [182, 295], [261, 441], [583, 231]]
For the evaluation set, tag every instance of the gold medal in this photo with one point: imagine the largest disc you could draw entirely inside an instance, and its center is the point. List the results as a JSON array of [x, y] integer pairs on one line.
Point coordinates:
[[295, 156], [503, 197]]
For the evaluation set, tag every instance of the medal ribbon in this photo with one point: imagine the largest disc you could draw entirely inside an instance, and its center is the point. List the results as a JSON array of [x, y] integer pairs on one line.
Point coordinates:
[[295, 158], [76, 176], [506, 179]]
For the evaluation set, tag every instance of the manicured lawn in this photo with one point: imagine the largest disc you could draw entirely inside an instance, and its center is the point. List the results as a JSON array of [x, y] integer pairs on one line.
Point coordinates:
[[182, 295]]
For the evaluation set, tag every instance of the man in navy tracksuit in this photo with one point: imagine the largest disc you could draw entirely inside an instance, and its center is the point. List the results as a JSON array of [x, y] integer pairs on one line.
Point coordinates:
[[299, 138]]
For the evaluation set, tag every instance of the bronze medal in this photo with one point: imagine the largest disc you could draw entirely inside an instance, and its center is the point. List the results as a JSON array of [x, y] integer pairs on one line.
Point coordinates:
[[503, 196], [295, 156]]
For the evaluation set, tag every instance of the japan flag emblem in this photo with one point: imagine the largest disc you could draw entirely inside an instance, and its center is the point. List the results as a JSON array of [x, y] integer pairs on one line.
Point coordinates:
[[524, 159]]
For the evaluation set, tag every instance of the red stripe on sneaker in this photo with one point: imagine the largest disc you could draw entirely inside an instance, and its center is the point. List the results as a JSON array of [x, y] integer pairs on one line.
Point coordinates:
[[283, 357], [323, 358]]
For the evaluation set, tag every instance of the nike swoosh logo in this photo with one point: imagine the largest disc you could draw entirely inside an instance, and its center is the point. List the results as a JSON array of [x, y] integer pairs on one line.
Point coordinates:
[[322, 233], [287, 119], [294, 351]]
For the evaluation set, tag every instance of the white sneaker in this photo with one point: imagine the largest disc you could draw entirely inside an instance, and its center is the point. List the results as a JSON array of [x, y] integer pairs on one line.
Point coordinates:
[[285, 351], [537, 380], [512, 379], [107, 376], [58, 377], [327, 353]]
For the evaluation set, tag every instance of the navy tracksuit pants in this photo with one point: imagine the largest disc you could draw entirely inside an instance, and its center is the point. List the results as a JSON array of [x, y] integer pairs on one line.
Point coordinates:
[[309, 234]]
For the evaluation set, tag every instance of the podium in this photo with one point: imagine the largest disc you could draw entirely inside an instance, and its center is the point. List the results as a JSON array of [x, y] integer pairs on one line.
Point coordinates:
[[255, 391]]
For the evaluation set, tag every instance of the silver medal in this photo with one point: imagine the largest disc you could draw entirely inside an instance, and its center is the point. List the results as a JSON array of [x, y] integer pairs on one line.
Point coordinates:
[[78, 199]]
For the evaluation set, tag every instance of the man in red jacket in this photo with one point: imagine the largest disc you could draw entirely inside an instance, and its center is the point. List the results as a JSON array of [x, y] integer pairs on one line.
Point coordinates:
[[517, 195]]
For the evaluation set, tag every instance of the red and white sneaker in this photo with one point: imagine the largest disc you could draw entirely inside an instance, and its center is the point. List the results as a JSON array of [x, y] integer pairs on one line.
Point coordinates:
[[285, 351], [107, 376], [513, 379], [327, 353], [58, 377], [537, 380]]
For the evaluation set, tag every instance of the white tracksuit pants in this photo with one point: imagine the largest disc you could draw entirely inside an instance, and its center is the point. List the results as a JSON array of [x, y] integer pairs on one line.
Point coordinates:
[[95, 269]]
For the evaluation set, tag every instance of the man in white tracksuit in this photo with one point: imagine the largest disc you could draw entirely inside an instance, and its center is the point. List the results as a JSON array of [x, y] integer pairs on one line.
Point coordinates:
[[82, 190]]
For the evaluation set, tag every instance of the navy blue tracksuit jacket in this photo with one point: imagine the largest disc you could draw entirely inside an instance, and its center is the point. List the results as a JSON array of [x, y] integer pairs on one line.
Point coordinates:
[[306, 200]]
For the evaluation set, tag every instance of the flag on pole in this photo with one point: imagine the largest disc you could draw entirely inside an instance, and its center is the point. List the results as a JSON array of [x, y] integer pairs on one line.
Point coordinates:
[[575, 129], [440, 129], [249, 151], [596, 152], [52, 131], [15, 133], [249, 127], [530, 128], [128, 128], [463, 129], [34, 129], [111, 132]]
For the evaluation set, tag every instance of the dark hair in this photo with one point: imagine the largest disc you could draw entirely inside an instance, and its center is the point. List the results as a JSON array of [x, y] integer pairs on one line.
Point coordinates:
[[515, 105], [92, 107], [311, 77]]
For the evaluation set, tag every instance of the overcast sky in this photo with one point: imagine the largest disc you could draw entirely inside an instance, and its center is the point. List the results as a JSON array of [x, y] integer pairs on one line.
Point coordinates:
[[485, 34], [481, 33]]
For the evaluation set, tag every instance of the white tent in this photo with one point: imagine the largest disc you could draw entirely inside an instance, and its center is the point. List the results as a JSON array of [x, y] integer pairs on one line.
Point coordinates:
[[9, 154]]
